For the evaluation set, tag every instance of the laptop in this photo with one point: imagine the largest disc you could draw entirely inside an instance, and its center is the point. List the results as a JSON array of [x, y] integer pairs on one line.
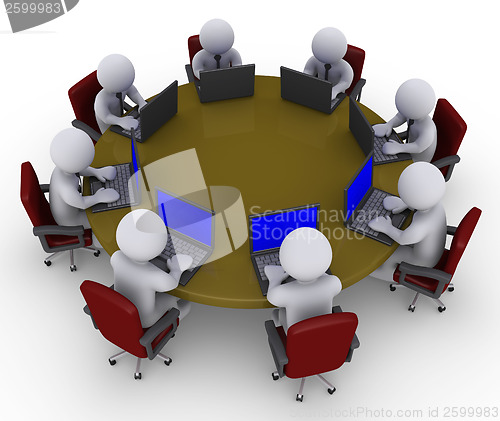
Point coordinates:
[[190, 229], [363, 202], [308, 90], [126, 183], [153, 115], [268, 230], [367, 141], [228, 83]]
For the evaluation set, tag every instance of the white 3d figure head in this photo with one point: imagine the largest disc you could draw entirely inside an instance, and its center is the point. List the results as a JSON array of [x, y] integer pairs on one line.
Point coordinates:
[[72, 150], [141, 235], [415, 99], [329, 45], [421, 186], [115, 73], [216, 36], [305, 254]]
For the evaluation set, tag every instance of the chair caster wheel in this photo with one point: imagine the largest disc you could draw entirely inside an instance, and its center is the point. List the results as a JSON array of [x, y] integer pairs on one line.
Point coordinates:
[[451, 289], [299, 398], [47, 262], [97, 253], [441, 309], [275, 375], [392, 288], [411, 308], [112, 362], [137, 376], [72, 268], [330, 390], [168, 362]]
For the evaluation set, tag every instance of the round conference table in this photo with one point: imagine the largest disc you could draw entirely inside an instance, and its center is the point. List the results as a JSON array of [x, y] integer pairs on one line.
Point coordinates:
[[245, 156]]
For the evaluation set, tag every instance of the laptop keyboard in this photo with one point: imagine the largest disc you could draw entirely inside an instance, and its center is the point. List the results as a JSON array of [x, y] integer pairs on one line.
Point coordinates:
[[120, 184], [137, 133], [373, 207], [176, 245], [378, 155], [264, 260]]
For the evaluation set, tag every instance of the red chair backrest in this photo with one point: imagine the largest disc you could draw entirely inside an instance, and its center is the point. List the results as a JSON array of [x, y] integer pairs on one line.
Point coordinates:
[[82, 97], [115, 316], [33, 199], [194, 46], [450, 128], [356, 58], [461, 239], [319, 344]]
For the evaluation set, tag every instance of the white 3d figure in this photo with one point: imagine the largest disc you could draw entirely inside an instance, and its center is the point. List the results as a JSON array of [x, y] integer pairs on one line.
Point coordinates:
[[116, 75], [141, 236], [72, 151], [421, 187], [415, 99], [329, 46], [216, 38], [305, 255]]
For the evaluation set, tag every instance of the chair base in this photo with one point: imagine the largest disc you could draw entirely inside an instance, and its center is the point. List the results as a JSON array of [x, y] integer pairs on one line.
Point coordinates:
[[441, 306], [300, 396], [72, 266], [137, 373]]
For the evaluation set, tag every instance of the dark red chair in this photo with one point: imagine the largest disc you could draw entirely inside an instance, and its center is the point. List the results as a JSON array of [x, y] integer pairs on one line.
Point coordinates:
[[313, 346], [356, 58], [194, 46], [433, 282], [118, 320], [451, 130], [54, 238]]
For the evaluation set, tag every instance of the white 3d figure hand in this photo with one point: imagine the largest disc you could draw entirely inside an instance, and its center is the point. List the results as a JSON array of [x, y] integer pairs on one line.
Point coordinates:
[[105, 173], [391, 147], [179, 263], [382, 130], [380, 223], [128, 123], [394, 204], [106, 195]]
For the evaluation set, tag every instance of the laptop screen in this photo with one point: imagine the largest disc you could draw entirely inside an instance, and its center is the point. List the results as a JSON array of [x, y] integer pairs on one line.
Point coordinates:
[[135, 162], [185, 217], [267, 231], [360, 127], [358, 187]]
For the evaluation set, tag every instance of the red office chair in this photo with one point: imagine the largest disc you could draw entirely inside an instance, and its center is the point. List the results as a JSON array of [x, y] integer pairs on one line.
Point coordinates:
[[118, 320], [313, 346], [54, 238], [194, 46], [451, 130], [356, 58], [433, 282]]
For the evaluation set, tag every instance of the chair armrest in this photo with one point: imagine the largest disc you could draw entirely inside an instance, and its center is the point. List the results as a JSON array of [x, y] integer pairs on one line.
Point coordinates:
[[336, 309], [73, 231], [447, 161], [356, 92], [94, 135], [450, 230], [44, 188], [408, 269], [277, 348], [169, 319], [190, 74]]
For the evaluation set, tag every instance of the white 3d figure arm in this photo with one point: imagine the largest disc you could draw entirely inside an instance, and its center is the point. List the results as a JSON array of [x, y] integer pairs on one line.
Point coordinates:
[[395, 204], [73, 197], [412, 235], [310, 68], [275, 274], [102, 110], [347, 75], [385, 129], [135, 96], [425, 136], [102, 174], [234, 57]]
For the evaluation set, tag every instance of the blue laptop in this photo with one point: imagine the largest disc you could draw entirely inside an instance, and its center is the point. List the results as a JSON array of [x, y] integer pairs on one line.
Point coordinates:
[[268, 230]]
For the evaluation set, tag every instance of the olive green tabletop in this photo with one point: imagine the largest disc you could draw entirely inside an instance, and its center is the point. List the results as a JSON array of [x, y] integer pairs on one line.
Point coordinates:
[[244, 156]]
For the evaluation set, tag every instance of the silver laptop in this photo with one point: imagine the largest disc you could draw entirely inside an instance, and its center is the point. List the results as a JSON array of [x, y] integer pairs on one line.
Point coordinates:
[[268, 230], [308, 90], [153, 115], [363, 202], [228, 83], [190, 229], [126, 183]]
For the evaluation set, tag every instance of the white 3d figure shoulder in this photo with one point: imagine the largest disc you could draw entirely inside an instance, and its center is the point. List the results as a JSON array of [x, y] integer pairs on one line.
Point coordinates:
[[415, 99], [72, 152], [305, 255], [216, 38], [421, 187], [329, 46], [141, 236], [116, 75]]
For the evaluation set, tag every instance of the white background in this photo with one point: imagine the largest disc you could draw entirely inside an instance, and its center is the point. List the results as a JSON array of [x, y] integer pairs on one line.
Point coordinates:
[[54, 364]]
